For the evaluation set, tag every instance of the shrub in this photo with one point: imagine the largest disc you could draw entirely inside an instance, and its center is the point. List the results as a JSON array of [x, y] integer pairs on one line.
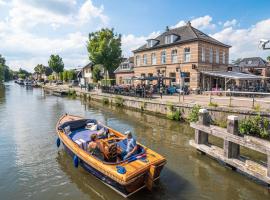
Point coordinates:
[[105, 101], [72, 93], [212, 104], [119, 101], [175, 115], [256, 126], [257, 108], [143, 106], [194, 114]]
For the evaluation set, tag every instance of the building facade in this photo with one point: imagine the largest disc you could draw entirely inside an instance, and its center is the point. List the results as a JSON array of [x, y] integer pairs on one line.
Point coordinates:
[[86, 74], [125, 72], [181, 54]]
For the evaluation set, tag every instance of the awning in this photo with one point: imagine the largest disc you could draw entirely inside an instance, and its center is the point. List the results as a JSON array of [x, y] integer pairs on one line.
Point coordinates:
[[233, 75], [151, 78]]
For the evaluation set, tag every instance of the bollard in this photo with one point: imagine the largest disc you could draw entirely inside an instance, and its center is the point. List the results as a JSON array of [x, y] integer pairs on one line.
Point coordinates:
[[231, 150], [201, 137], [268, 164]]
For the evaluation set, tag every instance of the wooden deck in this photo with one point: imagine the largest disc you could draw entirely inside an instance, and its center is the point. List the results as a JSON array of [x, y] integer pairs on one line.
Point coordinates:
[[230, 153]]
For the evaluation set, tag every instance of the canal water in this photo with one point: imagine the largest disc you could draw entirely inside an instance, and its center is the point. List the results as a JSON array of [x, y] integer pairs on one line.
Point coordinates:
[[33, 168]]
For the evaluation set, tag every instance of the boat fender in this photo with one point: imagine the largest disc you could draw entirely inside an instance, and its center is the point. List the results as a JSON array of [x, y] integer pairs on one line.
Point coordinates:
[[58, 142], [75, 161], [121, 170]]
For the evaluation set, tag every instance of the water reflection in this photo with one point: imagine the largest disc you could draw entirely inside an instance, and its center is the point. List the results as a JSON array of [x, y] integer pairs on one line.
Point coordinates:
[[33, 168]]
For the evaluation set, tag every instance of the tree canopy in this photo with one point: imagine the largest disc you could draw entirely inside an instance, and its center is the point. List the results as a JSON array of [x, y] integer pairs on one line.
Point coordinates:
[[104, 47], [6, 73], [268, 58], [56, 63], [96, 73]]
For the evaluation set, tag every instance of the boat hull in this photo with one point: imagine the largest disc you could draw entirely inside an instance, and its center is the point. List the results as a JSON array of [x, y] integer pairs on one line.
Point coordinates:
[[123, 187]]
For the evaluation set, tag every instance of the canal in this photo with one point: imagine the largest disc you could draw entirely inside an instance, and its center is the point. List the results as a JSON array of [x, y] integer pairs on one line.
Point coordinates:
[[33, 168]]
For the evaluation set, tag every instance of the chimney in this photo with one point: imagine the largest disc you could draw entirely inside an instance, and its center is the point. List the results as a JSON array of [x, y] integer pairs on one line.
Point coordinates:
[[188, 23], [167, 28]]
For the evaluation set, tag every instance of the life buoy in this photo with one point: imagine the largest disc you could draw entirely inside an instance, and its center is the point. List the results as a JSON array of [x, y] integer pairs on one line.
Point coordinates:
[[75, 161], [58, 142]]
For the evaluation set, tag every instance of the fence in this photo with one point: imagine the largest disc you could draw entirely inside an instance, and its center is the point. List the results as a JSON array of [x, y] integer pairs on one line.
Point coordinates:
[[230, 154]]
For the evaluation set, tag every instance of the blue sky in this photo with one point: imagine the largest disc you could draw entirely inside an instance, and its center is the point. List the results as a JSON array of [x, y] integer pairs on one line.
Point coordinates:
[[31, 30]]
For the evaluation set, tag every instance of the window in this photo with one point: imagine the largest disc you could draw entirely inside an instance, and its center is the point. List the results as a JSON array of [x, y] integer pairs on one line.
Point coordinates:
[[173, 76], [153, 59], [217, 56], [203, 54], [163, 57], [170, 39], [137, 60], [144, 59], [211, 55], [143, 75], [223, 57], [187, 55], [151, 43], [174, 56]]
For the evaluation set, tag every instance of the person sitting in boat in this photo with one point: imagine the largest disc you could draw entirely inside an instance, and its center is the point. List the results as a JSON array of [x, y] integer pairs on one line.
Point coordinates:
[[94, 147], [132, 146]]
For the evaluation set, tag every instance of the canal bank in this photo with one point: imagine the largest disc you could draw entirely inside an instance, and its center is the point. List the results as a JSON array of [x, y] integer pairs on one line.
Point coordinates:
[[34, 168], [158, 107]]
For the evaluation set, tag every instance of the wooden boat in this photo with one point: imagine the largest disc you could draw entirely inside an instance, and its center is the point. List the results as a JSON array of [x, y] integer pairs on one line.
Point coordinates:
[[124, 176]]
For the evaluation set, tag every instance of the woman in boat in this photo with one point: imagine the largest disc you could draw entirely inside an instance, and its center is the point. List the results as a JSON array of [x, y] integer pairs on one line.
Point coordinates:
[[94, 147]]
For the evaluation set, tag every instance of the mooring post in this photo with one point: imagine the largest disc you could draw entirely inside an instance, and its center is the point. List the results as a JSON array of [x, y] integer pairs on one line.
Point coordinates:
[[202, 137], [231, 150], [268, 165]]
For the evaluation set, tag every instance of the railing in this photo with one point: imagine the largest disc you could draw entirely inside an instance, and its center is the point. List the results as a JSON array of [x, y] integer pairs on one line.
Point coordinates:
[[230, 154], [230, 96]]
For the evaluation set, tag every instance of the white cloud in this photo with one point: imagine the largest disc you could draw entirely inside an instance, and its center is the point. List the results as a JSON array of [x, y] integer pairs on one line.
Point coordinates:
[[228, 23], [130, 42], [245, 41], [202, 23], [22, 46]]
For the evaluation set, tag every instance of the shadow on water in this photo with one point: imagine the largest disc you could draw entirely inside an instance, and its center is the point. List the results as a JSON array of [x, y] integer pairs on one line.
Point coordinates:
[[95, 189]]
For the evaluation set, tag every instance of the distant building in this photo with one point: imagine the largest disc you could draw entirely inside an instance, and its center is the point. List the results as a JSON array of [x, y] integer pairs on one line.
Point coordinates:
[[125, 72], [85, 75], [254, 65], [181, 54]]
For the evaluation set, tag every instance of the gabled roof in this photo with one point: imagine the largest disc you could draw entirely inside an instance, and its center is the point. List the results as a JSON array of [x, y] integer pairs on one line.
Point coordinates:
[[129, 61], [253, 62], [185, 33], [90, 64]]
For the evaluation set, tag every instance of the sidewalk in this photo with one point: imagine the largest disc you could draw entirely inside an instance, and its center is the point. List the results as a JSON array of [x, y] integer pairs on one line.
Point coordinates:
[[246, 103]]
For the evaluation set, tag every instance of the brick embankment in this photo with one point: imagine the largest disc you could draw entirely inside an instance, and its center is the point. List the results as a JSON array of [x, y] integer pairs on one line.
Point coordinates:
[[157, 105]]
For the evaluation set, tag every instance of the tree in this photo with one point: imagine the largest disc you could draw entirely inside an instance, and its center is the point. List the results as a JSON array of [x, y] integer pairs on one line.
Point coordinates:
[[96, 74], [268, 58], [40, 69], [236, 61], [48, 71], [2, 68], [56, 63], [71, 75], [65, 75], [104, 47]]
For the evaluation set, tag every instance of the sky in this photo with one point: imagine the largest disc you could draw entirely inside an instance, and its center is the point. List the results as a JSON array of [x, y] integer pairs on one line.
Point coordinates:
[[32, 30]]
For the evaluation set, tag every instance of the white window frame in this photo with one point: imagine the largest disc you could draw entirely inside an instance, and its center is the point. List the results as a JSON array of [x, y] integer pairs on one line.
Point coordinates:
[[138, 60], [203, 54], [174, 56], [144, 59], [153, 59], [223, 57], [187, 54], [211, 55], [217, 56], [163, 57]]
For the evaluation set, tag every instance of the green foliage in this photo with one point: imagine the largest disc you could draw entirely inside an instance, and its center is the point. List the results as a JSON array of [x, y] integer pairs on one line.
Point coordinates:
[[119, 101], [175, 115], [109, 82], [257, 107], [143, 105], [212, 104], [50, 77], [71, 75], [72, 93], [105, 101], [221, 123], [104, 47], [56, 63], [268, 58], [194, 114], [6, 74], [255, 126], [96, 73], [22, 76]]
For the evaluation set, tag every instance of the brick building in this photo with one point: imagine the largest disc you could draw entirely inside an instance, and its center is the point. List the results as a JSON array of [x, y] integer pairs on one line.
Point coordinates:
[[184, 50], [124, 73]]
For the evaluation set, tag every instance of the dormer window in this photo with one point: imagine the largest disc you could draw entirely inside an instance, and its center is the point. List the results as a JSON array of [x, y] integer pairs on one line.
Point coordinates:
[[151, 43], [170, 38]]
